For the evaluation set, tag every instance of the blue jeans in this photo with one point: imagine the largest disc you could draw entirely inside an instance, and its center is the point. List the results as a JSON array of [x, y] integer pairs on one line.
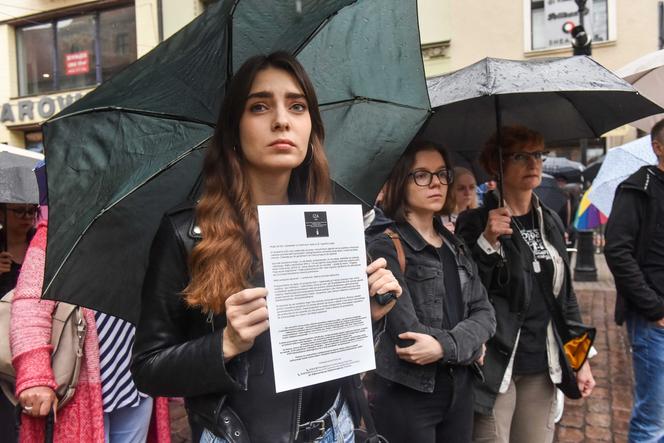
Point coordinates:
[[129, 425], [647, 340], [341, 431]]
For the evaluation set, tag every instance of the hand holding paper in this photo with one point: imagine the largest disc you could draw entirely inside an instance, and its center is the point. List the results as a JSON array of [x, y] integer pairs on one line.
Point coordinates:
[[247, 318]]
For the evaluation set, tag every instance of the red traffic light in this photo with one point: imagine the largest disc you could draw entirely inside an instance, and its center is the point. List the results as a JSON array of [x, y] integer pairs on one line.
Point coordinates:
[[568, 26]]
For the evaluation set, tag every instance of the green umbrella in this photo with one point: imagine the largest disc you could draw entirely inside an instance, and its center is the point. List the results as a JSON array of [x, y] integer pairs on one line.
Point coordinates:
[[131, 149]]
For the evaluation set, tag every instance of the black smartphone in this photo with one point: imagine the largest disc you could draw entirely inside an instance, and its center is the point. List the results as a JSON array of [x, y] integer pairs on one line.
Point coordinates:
[[382, 299]]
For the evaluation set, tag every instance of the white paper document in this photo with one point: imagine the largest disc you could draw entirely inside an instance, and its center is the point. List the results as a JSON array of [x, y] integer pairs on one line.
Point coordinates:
[[314, 262]]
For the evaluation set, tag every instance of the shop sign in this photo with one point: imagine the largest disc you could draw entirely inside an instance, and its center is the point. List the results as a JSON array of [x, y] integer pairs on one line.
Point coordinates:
[[557, 12], [77, 63], [28, 110]]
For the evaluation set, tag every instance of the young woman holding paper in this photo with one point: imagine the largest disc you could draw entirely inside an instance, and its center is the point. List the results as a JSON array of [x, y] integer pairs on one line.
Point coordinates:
[[422, 387], [203, 333]]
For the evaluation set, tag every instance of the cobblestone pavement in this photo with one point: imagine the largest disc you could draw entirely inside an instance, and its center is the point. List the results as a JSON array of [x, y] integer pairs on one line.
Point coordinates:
[[604, 417]]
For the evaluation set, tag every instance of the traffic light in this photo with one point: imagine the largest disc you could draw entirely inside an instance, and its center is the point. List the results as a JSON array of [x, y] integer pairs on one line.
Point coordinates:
[[581, 43]]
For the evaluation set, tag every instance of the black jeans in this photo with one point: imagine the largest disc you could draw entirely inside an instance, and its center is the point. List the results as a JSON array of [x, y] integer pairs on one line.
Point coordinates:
[[404, 415]]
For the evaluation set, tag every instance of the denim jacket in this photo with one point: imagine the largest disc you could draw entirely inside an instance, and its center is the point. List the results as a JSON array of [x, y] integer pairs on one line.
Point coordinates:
[[420, 307]]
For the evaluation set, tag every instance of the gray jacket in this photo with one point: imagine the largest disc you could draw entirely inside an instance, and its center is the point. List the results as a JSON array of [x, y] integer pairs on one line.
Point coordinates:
[[420, 307]]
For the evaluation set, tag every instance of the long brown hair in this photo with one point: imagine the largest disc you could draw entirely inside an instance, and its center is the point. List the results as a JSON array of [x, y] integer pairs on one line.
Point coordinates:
[[229, 252], [394, 201]]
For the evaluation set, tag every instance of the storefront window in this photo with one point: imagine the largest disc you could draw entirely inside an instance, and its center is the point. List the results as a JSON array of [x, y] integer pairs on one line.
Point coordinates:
[[36, 59], [548, 16], [76, 52], [64, 53], [117, 29]]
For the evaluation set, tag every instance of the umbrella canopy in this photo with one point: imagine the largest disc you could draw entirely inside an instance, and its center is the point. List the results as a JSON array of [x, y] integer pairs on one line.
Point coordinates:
[[17, 181], [620, 162], [646, 74], [588, 216], [132, 148], [561, 98], [561, 167]]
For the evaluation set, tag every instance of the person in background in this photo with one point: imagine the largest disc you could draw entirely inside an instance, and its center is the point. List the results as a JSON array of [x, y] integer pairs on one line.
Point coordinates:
[[18, 228], [421, 390], [635, 254], [483, 189], [517, 402], [462, 196], [106, 405]]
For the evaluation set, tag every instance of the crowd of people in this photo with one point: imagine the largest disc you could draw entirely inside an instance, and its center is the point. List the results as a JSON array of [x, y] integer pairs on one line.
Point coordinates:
[[469, 349]]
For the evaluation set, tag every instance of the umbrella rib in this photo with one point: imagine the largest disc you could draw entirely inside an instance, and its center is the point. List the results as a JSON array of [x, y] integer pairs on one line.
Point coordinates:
[[229, 45], [369, 100], [139, 112], [80, 237], [316, 31]]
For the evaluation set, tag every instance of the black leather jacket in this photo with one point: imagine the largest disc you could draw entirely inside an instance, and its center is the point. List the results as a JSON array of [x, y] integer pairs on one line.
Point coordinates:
[[420, 307], [178, 353]]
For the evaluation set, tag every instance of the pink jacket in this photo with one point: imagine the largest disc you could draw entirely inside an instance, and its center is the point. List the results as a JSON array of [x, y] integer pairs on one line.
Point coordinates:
[[82, 419]]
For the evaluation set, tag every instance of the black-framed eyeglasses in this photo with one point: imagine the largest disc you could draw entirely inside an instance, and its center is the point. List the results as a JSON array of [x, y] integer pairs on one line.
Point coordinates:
[[424, 178], [25, 212], [524, 157]]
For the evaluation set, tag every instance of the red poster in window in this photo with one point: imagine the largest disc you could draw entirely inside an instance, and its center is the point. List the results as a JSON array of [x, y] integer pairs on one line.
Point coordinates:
[[77, 63]]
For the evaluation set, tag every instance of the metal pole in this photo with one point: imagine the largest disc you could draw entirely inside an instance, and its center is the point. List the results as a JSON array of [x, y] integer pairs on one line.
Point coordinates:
[[582, 7], [499, 141]]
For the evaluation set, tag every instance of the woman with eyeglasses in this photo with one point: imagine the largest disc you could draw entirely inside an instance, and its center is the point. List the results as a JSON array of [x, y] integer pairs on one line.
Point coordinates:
[[19, 227], [517, 401], [422, 387]]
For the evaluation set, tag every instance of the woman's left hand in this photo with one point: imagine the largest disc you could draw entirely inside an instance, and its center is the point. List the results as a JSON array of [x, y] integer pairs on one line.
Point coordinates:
[[424, 351], [381, 281], [585, 380]]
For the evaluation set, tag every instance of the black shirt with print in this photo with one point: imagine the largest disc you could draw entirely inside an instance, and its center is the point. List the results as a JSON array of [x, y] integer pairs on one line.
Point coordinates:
[[531, 356]]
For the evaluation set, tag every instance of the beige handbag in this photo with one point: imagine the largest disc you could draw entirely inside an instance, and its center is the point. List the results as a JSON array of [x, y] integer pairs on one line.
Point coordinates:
[[67, 337]]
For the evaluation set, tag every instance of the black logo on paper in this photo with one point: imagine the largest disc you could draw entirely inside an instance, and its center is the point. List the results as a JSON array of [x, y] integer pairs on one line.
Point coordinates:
[[316, 224]]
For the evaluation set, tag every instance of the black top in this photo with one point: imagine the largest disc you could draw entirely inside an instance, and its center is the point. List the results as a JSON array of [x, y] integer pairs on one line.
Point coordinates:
[[653, 265], [9, 279], [636, 219], [531, 356], [452, 303]]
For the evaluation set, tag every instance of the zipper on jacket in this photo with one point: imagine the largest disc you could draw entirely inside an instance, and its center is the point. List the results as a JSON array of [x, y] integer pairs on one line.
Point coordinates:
[[210, 319]]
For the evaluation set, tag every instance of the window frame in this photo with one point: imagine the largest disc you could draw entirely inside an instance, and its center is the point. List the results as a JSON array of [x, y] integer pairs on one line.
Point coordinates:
[[611, 9]]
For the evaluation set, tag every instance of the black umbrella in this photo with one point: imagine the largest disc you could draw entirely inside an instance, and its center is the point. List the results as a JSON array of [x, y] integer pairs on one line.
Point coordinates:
[[551, 194], [561, 98], [561, 167], [591, 171], [130, 150]]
